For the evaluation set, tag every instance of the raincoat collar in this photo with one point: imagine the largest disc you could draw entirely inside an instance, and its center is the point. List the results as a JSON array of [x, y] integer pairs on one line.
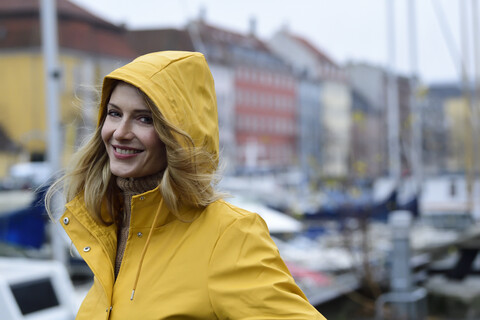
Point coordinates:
[[150, 214]]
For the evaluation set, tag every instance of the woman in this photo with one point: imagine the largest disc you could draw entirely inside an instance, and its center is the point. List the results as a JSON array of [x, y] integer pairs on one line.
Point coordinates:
[[143, 212]]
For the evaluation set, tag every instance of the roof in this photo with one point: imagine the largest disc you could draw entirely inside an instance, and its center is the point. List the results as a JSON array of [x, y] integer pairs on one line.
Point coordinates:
[[65, 8], [307, 44], [221, 36], [152, 40], [218, 44], [233, 47], [77, 29], [318, 65]]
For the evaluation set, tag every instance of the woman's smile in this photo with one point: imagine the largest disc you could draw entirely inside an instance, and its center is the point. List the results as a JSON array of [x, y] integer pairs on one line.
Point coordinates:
[[125, 152]]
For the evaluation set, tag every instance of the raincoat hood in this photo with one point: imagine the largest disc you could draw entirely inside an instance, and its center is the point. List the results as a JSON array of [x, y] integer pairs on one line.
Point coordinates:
[[181, 86]]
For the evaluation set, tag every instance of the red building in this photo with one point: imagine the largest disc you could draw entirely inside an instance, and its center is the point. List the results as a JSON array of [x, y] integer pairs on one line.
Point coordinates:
[[266, 118], [263, 116], [265, 105]]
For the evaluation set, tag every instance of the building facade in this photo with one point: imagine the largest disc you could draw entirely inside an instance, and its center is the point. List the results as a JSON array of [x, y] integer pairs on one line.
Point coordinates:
[[224, 77], [332, 126], [89, 48], [368, 146], [369, 84], [310, 128], [443, 121], [265, 91], [256, 92]]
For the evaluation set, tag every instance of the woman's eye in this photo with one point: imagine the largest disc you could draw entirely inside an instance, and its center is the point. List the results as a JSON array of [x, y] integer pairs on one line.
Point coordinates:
[[146, 119], [113, 113]]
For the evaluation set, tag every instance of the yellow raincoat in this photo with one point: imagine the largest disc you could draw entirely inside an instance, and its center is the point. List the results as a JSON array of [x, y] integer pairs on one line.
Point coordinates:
[[222, 265]]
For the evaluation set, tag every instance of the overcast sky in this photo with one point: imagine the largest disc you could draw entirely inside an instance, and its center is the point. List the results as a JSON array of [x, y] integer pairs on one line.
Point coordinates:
[[346, 30]]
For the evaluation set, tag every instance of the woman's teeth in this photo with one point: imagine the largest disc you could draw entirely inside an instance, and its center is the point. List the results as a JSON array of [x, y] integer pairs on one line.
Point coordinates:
[[125, 151]]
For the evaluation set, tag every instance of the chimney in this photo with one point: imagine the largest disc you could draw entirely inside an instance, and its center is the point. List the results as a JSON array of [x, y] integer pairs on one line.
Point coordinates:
[[202, 14], [285, 28], [252, 24]]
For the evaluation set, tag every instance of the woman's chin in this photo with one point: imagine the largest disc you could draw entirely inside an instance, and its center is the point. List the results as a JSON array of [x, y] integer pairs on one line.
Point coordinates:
[[123, 174]]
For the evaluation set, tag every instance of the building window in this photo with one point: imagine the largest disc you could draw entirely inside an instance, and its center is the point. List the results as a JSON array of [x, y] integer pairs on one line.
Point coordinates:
[[238, 97]]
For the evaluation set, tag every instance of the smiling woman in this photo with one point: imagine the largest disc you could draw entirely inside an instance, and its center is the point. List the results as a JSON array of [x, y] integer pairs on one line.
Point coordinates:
[[150, 168], [134, 147]]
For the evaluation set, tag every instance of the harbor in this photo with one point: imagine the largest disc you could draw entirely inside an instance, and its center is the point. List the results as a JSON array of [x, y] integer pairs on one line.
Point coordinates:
[[365, 170], [349, 264]]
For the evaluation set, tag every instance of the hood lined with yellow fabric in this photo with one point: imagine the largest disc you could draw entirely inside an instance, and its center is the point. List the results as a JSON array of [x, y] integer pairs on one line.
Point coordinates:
[[181, 86]]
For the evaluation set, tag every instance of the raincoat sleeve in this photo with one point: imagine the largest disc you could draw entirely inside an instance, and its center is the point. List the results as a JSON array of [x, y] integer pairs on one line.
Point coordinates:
[[249, 280]]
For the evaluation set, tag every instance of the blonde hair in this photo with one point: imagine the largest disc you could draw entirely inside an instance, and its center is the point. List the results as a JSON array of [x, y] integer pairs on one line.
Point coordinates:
[[189, 178]]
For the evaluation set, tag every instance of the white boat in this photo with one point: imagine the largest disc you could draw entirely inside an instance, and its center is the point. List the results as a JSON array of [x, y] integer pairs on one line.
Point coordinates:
[[276, 221], [32, 289], [445, 203]]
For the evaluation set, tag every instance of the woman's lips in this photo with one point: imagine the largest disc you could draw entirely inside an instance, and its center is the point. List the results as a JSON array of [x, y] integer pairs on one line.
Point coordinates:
[[121, 152]]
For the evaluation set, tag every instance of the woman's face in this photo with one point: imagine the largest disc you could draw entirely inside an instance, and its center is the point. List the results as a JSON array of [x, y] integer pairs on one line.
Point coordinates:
[[133, 146]]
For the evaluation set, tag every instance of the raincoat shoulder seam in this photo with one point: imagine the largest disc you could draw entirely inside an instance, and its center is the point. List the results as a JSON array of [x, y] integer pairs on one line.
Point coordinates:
[[240, 213]]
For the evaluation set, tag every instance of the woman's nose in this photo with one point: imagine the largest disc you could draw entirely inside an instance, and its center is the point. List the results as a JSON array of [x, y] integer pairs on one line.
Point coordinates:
[[123, 131]]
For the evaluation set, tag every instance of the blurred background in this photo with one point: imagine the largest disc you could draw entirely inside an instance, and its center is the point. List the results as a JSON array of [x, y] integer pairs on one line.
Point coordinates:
[[351, 127]]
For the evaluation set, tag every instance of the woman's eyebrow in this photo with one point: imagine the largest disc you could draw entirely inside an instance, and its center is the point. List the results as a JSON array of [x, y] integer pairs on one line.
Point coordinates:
[[112, 105], [134, 111]]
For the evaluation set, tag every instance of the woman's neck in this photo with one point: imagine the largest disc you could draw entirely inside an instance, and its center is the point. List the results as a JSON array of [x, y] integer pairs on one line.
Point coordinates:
[[139, 185]]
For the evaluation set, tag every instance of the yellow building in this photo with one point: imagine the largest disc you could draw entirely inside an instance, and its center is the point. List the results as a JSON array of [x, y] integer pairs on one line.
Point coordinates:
[[460, 135], [89, 48]]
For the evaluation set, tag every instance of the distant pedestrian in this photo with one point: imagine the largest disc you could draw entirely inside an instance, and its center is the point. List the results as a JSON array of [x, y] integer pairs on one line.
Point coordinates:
[[143, 212]]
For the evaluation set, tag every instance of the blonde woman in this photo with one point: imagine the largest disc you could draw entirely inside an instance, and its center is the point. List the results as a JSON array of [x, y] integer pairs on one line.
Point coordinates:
[[143, 212]]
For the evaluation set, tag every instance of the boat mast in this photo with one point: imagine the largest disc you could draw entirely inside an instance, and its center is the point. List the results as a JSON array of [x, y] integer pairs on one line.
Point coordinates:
[[48, 17], [392, 98], [475, 100], [416, 149], [476, 80], [470, 147]]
